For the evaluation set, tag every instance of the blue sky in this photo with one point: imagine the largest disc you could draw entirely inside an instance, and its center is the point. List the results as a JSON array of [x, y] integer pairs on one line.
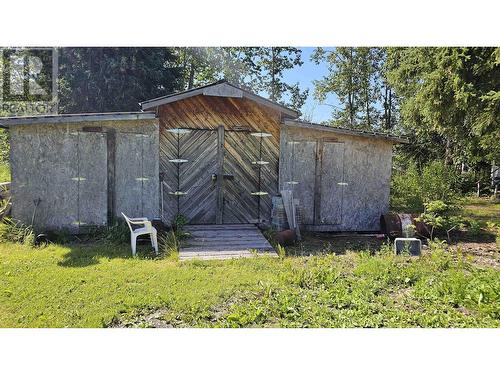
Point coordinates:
[[305, 75]]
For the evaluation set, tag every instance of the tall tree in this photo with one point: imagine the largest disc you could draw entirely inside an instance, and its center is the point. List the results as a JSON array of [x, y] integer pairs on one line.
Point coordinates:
[[203, 65], [272, 62], [355, 77], [342, 80], [450, 101], [260, 69], [369, 71], [390, 102], [114, 79]]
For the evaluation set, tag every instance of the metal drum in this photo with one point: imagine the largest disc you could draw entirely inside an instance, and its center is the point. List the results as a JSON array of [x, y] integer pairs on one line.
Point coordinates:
[[402, 225]]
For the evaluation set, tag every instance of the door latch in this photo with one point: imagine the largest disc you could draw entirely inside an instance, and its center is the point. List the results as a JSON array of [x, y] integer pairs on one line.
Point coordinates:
[[226, 176]]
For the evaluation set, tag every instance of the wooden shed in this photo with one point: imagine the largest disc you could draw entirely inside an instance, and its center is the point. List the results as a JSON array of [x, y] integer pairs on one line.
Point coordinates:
[[82, 170], [226, 152], [216, 154]]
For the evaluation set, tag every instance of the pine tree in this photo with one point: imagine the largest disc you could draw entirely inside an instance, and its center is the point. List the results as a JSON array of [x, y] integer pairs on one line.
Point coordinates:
[[450, 101], [114, 79]]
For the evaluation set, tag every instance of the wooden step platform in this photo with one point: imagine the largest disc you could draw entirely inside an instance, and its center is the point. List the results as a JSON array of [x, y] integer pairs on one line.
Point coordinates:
[[224, 241]]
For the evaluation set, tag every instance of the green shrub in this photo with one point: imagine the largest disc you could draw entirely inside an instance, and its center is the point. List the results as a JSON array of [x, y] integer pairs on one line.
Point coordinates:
[[14, 231], [412, 188], [475, 227], [406, 191], [169, 243], [438, 216], [281, 251]]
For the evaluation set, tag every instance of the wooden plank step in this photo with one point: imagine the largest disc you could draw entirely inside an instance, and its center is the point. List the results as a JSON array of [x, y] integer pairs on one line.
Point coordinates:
[[225, 252], [225, 255], [255, 237], [223, 233], [218, 257], [225, 248], [220, 227], [224, 242], [236, 246]]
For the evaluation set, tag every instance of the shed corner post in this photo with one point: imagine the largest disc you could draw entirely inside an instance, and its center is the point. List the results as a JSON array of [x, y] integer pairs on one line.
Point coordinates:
[[111, 154]]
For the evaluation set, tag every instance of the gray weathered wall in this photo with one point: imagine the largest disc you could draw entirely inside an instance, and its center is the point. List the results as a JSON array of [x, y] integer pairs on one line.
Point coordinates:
[[77, 169], [348, 188]]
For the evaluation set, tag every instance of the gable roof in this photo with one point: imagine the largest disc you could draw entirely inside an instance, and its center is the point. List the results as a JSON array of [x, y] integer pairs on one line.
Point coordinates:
[[348, 131], [223, 89]]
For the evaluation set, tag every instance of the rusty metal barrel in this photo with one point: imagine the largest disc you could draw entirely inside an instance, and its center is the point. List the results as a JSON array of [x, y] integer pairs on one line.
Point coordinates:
[[402, 225]]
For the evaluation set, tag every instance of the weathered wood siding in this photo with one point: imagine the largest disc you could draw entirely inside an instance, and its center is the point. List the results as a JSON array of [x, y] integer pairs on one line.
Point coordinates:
[[205, 114], [343, 180], [83, 173]]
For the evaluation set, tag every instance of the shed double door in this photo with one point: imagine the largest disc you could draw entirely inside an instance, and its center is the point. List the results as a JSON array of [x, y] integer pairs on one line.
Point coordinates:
[[317, 175], [216, 178]]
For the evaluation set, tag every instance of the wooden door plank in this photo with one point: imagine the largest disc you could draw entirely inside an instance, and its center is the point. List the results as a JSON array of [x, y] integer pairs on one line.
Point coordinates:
[[220, 174]]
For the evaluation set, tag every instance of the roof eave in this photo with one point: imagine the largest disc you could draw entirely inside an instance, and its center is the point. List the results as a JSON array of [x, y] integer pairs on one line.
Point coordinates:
[[6, 122], [313, 126]]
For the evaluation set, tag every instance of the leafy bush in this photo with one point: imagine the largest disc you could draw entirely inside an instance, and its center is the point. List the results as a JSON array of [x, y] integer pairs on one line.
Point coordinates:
[[412, 188], [438, 215], [475, 227]]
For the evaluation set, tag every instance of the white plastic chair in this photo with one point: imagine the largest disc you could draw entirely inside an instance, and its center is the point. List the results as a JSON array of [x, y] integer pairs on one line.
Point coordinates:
[[145, 227]]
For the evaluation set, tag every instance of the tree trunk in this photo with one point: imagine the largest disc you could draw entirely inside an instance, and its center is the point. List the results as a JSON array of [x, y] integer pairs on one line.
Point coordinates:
[[367, 99], [351, 94], [273, 77], [386, 109], [389, 116], [191, 76], [447, 152]]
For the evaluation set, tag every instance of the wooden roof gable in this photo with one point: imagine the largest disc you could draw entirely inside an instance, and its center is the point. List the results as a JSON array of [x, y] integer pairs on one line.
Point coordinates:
[[220, 89]]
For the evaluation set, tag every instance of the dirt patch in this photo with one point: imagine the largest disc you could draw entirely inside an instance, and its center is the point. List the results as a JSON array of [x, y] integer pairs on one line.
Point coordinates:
[[146, 319], [483, 253], [163, 317]]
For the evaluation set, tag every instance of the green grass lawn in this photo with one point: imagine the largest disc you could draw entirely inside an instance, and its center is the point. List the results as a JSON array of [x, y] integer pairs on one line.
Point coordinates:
[[4, 172], [95, 285], [481, 209]]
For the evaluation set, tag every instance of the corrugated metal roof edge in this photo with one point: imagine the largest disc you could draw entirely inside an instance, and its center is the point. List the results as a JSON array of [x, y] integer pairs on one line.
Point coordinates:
[[347, 131], [75, 117]]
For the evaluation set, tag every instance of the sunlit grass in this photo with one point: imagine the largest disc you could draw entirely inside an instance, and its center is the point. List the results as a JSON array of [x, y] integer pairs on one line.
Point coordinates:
[[4, 172], [481, 209], [89, 285]]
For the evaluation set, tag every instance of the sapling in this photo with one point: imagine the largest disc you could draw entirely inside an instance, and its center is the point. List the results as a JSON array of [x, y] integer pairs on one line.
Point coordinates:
[[436, 215]]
